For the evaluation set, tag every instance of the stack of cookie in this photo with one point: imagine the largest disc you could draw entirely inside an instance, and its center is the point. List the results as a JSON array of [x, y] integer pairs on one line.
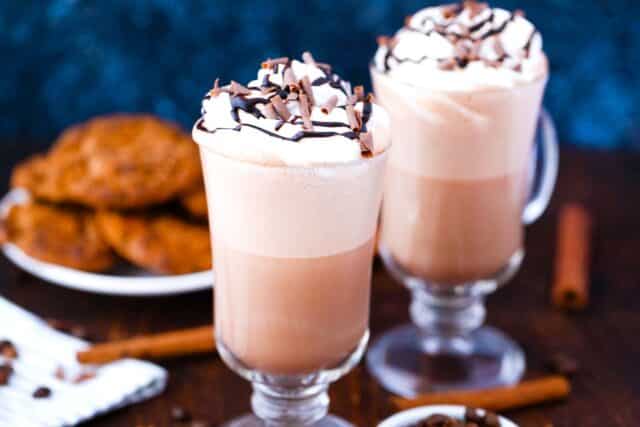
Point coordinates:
[[127, 186]]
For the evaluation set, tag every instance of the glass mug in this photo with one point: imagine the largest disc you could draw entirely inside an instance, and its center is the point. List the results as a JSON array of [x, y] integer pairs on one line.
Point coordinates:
[[452, 230], [294, 249]]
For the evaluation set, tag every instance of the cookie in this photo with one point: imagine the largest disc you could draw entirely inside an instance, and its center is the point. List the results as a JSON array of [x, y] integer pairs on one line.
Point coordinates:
[[58, 235], [159, 242], [35, 175], [195, 202], [114, 162]]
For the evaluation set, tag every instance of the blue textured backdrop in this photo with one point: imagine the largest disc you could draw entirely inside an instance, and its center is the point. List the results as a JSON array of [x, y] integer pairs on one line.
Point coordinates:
[[65, 60]]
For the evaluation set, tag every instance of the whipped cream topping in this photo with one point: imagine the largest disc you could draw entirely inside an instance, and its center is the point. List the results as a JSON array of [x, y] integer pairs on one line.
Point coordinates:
[[294, 113], [463, 46]]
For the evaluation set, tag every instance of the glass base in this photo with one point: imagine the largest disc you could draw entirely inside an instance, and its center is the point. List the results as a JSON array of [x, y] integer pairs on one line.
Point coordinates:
[[253, 421], [407, 364]]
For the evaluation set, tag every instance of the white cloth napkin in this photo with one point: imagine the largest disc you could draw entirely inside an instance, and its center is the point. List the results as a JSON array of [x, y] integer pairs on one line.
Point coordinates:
[[41, 351]]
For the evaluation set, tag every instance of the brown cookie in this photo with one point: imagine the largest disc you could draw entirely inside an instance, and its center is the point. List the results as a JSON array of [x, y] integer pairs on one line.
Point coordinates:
[[114, 162], [163, 243], [35, 175], [195, 202], [59, 235]]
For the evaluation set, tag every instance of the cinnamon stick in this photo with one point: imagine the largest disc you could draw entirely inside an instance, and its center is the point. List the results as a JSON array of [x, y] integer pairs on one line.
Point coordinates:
[[159, 346], [526, 393], [570, 289]]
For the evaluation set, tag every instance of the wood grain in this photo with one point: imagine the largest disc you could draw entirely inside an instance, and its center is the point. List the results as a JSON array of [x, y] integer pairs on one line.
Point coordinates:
[[604, 338]]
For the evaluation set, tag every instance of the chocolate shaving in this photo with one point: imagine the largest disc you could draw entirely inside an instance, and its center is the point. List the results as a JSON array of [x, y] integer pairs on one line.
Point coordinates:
[[330, 104], [366, 142], [383, 40], [289, 78], [358, 95], [238, 89], [308, 58], [305, 112], [271, 63], [8, 350], [280, 108], [359, 92], [305, 84], [354, 123], [6, 370], [215, 91]]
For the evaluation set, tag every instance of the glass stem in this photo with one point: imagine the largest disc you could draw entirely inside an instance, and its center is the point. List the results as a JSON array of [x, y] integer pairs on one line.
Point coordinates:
[[446, 322], [279, 407]]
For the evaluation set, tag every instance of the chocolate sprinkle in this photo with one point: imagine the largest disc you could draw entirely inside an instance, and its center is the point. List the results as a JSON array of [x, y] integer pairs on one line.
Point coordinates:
[[42, 393], [6, 370], [8, 350]]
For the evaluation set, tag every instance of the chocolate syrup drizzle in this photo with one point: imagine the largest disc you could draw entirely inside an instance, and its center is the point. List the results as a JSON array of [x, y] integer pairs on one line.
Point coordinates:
[[445, 31], [295, 138], [269, 89]]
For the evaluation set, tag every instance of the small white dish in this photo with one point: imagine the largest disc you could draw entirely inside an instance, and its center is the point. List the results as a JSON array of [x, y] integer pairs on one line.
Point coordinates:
[[126, 280], [411, 416]]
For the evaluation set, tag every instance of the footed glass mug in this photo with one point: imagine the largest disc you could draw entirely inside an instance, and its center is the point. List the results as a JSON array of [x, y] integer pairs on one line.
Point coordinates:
[[467, 171], [294, 248]]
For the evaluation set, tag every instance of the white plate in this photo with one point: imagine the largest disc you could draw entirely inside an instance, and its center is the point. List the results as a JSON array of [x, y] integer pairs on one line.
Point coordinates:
[[125, 280], [411, 416]]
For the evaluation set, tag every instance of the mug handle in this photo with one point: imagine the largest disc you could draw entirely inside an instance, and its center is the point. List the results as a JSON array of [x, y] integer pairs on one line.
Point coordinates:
[[545, 169]]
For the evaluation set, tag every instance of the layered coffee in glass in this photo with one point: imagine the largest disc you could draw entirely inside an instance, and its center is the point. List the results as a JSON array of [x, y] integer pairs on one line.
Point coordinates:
[[293, 164], [463, 85]]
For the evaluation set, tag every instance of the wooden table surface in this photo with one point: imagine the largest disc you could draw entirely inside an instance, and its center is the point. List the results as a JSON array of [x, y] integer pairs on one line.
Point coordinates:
[[605, 339]]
